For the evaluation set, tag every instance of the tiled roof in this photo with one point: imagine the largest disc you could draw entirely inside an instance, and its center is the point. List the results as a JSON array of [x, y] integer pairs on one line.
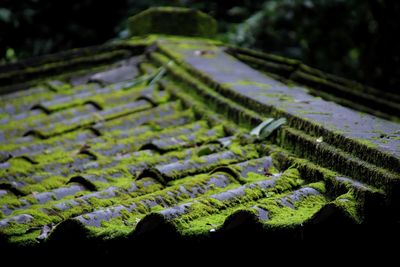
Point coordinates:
[[152, 135]]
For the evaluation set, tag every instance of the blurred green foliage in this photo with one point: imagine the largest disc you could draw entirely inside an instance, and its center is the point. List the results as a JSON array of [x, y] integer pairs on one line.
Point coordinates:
[[356, 39]]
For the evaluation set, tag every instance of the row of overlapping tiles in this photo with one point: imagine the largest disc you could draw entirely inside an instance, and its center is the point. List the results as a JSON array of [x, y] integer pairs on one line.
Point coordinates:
[[107, 155]]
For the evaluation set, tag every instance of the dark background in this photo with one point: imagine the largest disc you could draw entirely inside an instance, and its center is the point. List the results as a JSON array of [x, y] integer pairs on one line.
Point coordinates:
[[357, 39]]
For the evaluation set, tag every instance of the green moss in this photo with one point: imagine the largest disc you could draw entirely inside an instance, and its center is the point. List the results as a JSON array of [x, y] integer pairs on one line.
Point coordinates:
[[209, 213], [367, 143], [200, 109], [57, 155], [204, 102], [111, 230], [59, 65], [237, 149], [330, 136], [349, 204], [319, 186], [98, 202], [203, 225], [254, 177], [289, 179], [188, 43], [17, 166], [46, 185], [25, 240], [31, 200], [40, 218], [102, 100], [264, 56], [173, 21], [225, 106], [197, 159], [286, 217], [336, 159], [60, 87], [170, 196], [248, 83]]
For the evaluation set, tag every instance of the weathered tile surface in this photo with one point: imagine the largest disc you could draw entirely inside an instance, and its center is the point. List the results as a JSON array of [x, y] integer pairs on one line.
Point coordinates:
[[111, 153]]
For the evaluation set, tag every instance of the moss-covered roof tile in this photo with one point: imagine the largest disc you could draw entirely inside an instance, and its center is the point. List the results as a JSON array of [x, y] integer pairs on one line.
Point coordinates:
[[148, 143]]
